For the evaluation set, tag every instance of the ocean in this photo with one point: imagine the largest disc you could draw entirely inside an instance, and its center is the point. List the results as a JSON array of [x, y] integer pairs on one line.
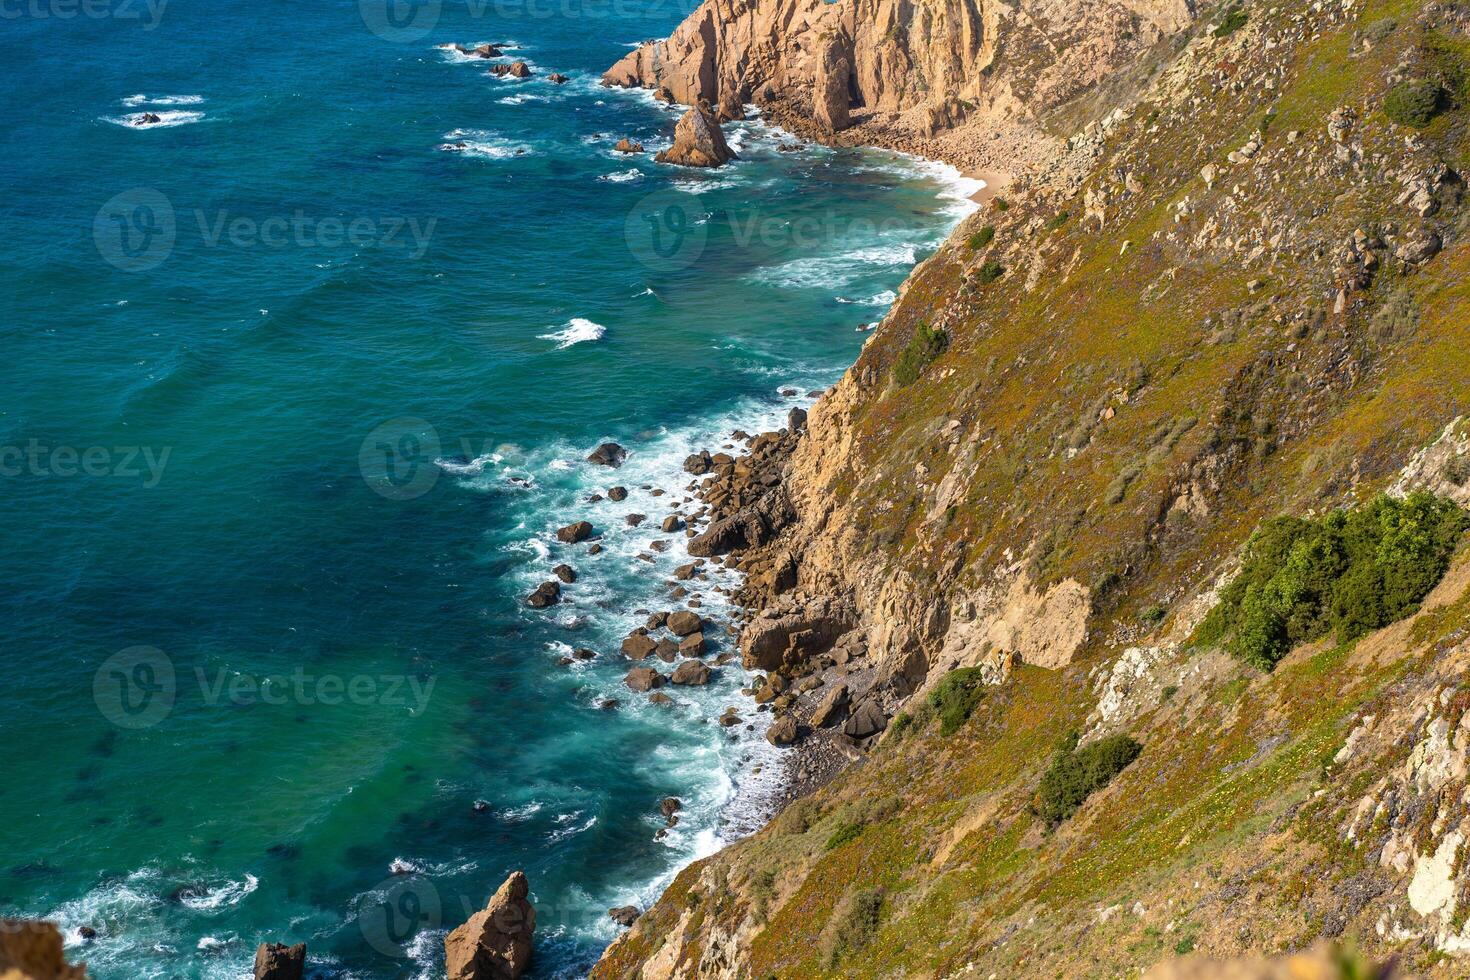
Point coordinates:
[[299, 379]]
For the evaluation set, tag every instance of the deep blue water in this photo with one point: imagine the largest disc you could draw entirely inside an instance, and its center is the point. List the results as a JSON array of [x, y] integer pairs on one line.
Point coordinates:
[[262, 650]]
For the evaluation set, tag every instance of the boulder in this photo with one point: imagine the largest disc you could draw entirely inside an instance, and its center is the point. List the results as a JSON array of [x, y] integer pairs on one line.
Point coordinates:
[[633, 520], [638, 646], [495, 944], [831, 705], [516, 69], [608, 454], [546, 594], [667, 650], [574, 533], [275, 961], [684, 622], [741, 530], [660, 698], [783, 731], [669, 806], [692, 645], [698, 463], [624, 915], [692, 673], [867, 719], [1420, 249], [698, 141], [626, 145], [796, 420], [557, 78], [643, 679], [731, 107], [671, 524], [566, 573], [804, 628], [617, 494]]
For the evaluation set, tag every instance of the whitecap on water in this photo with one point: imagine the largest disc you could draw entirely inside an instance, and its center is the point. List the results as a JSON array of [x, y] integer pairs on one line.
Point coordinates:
[[483, 144], [577, 330], [155, 120], [134, 101], [829, 270], [622, 176], [230, 893]]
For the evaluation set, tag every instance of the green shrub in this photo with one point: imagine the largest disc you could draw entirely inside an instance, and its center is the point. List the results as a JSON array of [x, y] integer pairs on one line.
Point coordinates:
[[857, 923], [1234, 20], [927, 344], [989, 272], [955, 697], [1076, 774], [1058, 221], [1414, 103], [1349, 572], [982, 237], [844, 834], [1001, 205]]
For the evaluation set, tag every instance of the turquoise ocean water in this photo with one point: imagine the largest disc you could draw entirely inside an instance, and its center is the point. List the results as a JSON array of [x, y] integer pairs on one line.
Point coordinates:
[[296, 391]]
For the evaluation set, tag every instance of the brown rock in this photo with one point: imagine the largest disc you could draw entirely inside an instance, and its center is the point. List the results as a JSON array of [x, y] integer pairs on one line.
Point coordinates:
[[566, 573], [626, 145], [831, 705], [684, 622], [783, 731], [692, 645], [624, 915], [831, 92], [692, 673], [557, 78], [574, 533], [617, 494], [638, 646], [698, 141], [659, 697], [643, 679], [546, 594], [608, 454], [274, 961], [495, 944], [31, 950]]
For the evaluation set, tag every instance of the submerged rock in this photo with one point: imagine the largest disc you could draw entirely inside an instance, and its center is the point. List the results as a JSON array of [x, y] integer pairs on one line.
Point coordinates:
[[546, 594], [608, 454], [626, 145], [574, 533], [624, 915]]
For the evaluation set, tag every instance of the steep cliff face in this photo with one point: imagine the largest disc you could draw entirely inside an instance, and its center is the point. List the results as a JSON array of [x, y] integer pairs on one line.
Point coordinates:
[[1241, 293], [902, 72]]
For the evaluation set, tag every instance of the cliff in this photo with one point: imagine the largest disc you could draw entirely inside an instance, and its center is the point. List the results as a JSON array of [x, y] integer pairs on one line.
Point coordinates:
[[1237, 291], [943, 77]]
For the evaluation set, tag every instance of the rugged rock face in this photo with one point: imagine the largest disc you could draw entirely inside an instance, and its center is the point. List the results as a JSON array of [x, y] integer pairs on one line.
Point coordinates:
[[1233, 292], [495, 944], [32, 950], [275, 961], [904, 71], [698, 141]]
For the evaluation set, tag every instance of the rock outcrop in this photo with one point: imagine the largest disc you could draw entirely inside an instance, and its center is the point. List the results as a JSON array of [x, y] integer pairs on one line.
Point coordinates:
[[31, 950], [277, 961], [698, 141], [495, 944], [905, 71]]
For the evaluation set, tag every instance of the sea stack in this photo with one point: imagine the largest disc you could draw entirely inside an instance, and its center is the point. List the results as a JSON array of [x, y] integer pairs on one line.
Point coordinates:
[[276, 961], [495, 944], [698, 141]]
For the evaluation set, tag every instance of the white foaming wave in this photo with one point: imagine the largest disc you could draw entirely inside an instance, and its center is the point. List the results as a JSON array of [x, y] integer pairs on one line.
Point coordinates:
[[622, 176], [569, 827], [474, 467], [884, 298], [166, 120], [698, 186], [133, 101], [522, 99], [829, 270], [454, 56], [483, 144], [522, 813], [228, 894], [577, 330]]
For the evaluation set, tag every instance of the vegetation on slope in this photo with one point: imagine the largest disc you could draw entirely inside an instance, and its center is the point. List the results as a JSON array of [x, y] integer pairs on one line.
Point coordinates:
[[1347, 573]]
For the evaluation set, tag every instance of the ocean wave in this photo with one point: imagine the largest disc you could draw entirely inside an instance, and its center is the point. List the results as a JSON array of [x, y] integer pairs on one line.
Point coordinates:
[[134, 101], [622, 176], [522, 99], [884, 298], [228, 894], [836, 270], [461, 466], [569, 827], [165, 120], [482, 143], [576, 330]]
